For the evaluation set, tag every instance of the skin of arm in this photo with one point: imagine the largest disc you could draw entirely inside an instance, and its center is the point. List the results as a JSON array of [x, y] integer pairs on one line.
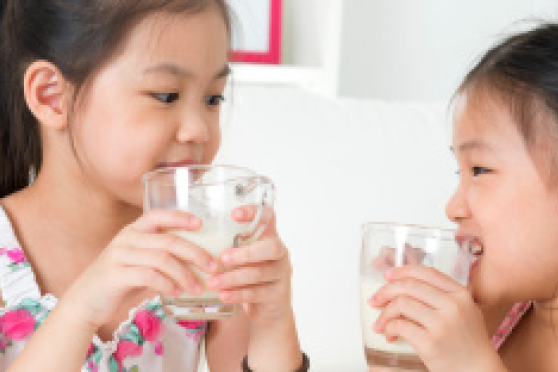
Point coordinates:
[[270, 348]]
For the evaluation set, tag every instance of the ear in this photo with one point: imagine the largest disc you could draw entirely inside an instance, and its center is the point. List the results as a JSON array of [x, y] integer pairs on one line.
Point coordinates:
[[47, 94]]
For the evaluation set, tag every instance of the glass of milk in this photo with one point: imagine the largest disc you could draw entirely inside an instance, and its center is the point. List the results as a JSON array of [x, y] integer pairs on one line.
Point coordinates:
[[386, 245], [211, 193]]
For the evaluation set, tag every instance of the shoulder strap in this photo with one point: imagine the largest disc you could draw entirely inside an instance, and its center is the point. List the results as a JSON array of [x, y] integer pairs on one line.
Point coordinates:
[[508, 324], [17, 280]]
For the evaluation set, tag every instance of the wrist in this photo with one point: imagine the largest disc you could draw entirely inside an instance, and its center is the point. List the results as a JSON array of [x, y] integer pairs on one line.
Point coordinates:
[[491, 362], [274, 345], [72, 312], [280, 322], [270, 317]]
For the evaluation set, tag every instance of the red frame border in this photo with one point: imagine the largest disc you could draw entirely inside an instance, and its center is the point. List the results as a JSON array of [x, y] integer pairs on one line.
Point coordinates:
[[273, 55]]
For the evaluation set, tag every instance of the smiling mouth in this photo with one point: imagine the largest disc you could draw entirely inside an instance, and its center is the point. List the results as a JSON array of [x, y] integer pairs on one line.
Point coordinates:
[[477, 249]]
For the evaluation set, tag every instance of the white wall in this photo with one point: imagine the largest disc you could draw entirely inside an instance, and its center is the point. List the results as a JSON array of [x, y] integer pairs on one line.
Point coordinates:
[[409, 49], [300, 32]]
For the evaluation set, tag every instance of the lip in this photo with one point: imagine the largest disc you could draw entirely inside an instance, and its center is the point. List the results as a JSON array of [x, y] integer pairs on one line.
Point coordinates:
[[180, 163], [465, 233]]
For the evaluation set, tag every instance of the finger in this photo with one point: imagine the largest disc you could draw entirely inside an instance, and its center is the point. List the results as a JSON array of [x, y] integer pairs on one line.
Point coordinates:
[[385, 259], [412, 288], [143, 277], [406, 308], [247, 213], [253, 295], [413, 255], [425, 274], [162, 220], [407, 330], [165, 263], [247, 276], [269, 249], [268, 220], [179, 247]]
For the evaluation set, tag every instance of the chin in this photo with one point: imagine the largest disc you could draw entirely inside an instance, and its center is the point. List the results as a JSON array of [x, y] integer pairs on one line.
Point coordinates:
[[482, 296], [491, 297]]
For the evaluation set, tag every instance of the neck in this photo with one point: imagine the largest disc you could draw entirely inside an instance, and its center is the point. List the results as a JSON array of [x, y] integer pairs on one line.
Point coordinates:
[[70, 214], [545, 315], [495, 314]]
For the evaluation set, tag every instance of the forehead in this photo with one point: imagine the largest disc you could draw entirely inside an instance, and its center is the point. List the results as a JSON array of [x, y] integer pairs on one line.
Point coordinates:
[[197, 42], [489, 120], [480, 117]]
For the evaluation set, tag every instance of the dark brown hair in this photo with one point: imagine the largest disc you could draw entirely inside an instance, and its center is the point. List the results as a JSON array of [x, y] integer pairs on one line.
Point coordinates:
[[522, 73], [78, 37]]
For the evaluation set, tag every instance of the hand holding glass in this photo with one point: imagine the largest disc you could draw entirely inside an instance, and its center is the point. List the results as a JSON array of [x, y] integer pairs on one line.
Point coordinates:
[[387, 245], [210, 193]]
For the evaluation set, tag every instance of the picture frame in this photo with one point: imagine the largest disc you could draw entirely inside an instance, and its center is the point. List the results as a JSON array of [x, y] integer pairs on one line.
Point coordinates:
[[256, 31]]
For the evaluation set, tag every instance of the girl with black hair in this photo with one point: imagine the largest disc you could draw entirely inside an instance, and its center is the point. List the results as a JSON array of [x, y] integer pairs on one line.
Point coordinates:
[[505, 139], [95, 93]]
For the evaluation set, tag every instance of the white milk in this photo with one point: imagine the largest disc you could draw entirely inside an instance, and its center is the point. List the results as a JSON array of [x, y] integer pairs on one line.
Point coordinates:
[[214, 239], [371, 339]]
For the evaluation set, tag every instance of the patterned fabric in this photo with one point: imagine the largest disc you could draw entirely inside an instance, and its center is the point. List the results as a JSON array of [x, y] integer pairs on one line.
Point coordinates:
[[146, 342], [509, 323]]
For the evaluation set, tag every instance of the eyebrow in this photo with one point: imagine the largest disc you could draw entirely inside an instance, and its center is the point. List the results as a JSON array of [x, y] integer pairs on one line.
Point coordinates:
[[172, 69], [472, 145]]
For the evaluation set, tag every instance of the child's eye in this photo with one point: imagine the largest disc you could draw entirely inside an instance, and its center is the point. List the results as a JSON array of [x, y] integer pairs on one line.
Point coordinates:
[[214, 100], [480, 170], [165, 97]]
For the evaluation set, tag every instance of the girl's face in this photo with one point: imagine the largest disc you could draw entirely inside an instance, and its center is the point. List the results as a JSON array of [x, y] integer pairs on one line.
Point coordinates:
[[156, 103], [505, 203]]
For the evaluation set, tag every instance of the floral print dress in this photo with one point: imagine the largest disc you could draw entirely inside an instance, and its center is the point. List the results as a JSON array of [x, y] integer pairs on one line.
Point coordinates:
[[146, 342]]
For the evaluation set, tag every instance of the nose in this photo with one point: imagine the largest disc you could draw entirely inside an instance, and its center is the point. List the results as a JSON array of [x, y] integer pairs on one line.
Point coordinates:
[[194, 127], [457, 208]]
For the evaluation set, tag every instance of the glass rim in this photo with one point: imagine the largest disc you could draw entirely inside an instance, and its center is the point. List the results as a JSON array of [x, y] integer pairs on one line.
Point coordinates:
[[147, 177], [424, 229]]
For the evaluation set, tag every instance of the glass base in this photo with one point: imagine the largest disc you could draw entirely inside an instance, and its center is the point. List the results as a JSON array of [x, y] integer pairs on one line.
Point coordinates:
[[197, 308], [381, 361]]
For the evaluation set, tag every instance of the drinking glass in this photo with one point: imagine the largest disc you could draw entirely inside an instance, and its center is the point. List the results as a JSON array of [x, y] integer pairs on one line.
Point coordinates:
[[387, 245], [211, 193]]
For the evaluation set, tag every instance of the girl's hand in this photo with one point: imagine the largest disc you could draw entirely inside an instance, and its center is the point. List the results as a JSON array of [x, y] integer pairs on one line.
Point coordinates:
[[438, 317], [259, 274], [143, 256]]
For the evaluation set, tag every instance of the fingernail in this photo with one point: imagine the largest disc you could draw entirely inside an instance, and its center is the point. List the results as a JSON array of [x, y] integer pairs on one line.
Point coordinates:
[[194, 221], [378, 326], [238, 214], [388, 273], [227, 257], [225, 296]]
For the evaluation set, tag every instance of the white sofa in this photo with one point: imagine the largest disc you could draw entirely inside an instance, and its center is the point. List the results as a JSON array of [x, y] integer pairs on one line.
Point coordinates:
[[337, 164]]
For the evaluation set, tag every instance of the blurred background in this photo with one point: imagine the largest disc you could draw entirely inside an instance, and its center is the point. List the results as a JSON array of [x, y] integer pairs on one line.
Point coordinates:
[[354, 125]]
